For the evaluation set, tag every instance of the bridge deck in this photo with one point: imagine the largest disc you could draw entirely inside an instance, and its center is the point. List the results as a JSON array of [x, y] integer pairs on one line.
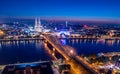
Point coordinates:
[[64, 51], [54, 42]]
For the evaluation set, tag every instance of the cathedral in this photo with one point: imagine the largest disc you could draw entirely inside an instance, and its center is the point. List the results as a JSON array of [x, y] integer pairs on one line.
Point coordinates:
[[38, 27]]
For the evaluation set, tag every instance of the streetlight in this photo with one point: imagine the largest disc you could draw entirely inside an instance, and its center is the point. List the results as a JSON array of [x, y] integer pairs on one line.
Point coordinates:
[[53, 54], [1, 32], [53, 49], [71, 51]]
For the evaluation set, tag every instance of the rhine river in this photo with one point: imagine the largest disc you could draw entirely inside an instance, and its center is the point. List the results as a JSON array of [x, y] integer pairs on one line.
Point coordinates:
[[31, 51], [92, 46], [23, 51]]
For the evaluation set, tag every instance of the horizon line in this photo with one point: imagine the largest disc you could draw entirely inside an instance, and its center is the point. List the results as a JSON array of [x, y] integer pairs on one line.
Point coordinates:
[[67, 18]]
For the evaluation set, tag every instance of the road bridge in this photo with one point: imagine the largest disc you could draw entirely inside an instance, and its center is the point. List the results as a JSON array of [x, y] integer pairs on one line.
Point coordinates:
[[69, 54]]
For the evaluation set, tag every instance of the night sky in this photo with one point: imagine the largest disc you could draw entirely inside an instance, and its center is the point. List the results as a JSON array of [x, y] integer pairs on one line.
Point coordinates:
[[84, 9]]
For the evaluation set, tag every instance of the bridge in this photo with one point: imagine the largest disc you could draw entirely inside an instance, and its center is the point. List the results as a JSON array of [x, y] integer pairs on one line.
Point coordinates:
[[68, 54], [55, 43]]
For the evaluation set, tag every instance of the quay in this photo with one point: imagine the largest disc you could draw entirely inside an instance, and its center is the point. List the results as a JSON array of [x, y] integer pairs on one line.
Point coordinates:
[[20, 39]]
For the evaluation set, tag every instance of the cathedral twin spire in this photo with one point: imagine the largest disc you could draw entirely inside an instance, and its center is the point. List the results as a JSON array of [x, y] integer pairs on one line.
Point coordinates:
[[38, 27]]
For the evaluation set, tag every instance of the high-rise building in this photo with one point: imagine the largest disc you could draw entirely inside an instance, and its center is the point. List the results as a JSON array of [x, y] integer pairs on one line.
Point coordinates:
[[38, 27]]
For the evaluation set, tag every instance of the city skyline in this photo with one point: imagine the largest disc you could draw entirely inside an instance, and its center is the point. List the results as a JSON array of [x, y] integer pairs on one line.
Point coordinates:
[[73, 36], [70, 9]]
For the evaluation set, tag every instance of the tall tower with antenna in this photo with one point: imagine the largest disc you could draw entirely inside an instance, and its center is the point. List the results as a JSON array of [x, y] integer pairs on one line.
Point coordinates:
[[38, 26]]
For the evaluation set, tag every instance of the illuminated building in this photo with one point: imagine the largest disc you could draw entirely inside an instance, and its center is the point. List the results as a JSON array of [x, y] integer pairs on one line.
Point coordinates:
[[118, 63], [1, 32], [62, 33], [29, 68], [38, 27]]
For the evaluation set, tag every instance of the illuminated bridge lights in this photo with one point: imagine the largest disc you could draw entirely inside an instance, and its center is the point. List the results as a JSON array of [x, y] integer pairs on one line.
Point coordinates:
[[56, 45]]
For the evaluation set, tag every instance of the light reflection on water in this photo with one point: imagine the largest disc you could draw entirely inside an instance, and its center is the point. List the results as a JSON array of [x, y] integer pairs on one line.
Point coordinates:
[[93, 41], [88, 46], [29, 51], [0, 46], [22, 51]]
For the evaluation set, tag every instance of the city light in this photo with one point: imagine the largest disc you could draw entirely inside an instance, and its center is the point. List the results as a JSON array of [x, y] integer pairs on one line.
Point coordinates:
[[1, 32], [71, 51], [59, 36], [86, 45]]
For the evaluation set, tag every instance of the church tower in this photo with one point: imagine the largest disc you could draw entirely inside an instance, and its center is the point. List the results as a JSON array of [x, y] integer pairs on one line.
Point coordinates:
[[38, 27]]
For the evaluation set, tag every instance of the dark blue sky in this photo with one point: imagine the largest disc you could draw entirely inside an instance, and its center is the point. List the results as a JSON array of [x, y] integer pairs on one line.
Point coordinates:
[[108, 9]]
